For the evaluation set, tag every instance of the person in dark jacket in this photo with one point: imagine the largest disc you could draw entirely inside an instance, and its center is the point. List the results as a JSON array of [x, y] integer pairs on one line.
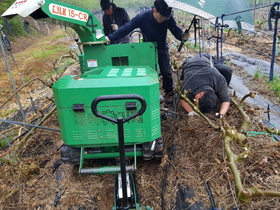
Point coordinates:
[[154, 24], [114, 17], [207, 81]]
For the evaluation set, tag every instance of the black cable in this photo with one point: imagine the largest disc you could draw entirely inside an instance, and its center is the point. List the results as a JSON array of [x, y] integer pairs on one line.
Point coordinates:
[[19, 123], [268, 114], [170, 157]]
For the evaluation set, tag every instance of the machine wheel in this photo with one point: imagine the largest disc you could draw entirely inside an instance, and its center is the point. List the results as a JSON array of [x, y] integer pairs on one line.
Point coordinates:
[[70, 155], [153, 149]]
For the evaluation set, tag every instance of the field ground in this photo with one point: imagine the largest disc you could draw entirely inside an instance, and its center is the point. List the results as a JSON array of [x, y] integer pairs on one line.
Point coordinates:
[[193, 152]]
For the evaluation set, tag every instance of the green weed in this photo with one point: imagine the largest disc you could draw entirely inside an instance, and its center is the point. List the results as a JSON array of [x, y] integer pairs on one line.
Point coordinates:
[[275, 85], [8, 138], [48, 51], [27, 79], [3, 143], [60, 36], [257, 74], [6, 113], [191, 46]]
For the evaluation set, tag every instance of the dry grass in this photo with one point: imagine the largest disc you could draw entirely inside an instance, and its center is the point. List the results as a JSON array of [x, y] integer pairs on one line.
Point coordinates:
[[198, 156]]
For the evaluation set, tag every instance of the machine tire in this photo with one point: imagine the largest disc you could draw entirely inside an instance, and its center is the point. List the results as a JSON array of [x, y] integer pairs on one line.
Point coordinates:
[[70, 155], [156, 152]]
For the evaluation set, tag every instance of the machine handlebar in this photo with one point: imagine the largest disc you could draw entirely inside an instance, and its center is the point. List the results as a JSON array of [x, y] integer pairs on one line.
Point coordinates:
[[118, 97]]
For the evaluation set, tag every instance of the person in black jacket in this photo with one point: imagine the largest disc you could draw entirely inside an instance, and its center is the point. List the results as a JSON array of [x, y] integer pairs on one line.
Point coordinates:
[[154, 24], [114, 17], [207, 81]]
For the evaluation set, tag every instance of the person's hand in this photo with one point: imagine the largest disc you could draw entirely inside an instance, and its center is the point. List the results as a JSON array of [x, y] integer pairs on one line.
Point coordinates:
[[114, 27], [107, 39], [219, 115], [185, 36], [193, 113]]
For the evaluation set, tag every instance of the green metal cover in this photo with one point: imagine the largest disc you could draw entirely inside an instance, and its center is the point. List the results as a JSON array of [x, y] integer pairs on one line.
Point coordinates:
[[130, 54], [84, 129]]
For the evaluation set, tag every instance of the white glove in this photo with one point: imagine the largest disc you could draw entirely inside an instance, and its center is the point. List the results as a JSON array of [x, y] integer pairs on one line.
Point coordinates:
[[218, 115], [193, 113], [114, 27], [107, 39]]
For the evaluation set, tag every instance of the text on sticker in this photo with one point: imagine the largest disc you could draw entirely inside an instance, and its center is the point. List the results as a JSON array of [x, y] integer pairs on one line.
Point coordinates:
[[68, 12], [18, 4]]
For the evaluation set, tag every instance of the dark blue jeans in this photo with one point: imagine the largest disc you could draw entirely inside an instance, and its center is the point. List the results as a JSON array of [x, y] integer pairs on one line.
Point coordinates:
[[225, 71], [164, 66]]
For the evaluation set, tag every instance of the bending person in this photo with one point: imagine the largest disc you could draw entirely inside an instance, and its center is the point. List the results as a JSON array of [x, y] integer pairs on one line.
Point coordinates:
[[207, 82], [154, 24]]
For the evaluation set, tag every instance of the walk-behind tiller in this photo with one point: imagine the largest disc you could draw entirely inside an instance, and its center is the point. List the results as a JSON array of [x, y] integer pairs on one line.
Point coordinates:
[[118, 85]]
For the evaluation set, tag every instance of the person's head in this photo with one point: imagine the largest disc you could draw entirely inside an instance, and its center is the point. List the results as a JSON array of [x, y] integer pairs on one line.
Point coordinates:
[[207, 101], [106, 7], [161, 11]]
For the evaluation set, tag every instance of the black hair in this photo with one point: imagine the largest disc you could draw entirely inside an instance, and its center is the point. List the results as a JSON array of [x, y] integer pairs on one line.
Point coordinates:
[[208, 102]]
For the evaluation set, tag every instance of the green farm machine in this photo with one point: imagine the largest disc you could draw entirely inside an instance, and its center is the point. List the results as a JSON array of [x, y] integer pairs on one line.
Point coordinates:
[[111, 110]]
